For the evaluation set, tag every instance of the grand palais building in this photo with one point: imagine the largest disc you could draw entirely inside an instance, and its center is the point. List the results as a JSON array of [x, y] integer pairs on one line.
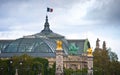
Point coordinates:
[[43, 44]]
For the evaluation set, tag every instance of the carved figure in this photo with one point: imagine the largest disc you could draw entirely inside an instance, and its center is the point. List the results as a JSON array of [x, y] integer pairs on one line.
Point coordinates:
[[97, 43], [89, 52], [73, 49], [59, 45]]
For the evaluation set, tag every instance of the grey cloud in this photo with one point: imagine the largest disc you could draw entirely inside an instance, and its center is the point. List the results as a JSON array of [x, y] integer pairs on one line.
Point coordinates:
[[23, 12], [105, 10], [65, 4], [114, 9]]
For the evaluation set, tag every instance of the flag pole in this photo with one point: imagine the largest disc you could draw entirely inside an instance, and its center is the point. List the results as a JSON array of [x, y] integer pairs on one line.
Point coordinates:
[[47, 12]]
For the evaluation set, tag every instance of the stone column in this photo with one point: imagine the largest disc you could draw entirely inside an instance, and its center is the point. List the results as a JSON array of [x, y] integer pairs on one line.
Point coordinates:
[[59, 58], [90, 61], [16, 71], [90, 65]]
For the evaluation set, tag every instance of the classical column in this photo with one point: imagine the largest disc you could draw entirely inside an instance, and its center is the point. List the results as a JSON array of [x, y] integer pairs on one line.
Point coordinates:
[[59, 58], [90, 61]]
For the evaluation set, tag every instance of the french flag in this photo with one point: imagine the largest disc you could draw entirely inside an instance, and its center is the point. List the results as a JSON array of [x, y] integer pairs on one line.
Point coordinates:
[[49, 10]]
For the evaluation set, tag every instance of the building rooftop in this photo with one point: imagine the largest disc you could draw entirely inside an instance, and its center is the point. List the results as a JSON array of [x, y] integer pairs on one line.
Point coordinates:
[[41, 44]]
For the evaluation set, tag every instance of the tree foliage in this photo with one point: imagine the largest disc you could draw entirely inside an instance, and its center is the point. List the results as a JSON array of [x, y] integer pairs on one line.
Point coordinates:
[[105, 62], [112, 55], [75, 72], [26, 65]]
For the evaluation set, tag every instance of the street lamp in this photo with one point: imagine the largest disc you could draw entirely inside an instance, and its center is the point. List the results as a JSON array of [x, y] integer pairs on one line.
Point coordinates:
[[10, 65], [11, 61], [21, 63], [1, 69], [16, 71]]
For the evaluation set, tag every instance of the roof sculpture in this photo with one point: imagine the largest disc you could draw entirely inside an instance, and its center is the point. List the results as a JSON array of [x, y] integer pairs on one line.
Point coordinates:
[[73, 49]]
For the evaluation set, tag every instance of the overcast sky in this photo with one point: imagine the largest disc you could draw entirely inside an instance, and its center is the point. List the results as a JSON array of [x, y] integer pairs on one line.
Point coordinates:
[[75, 19]]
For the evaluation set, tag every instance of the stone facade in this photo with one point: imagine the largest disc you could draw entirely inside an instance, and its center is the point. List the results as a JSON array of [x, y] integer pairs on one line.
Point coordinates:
[[59, 62], [71, 62], [90, 65]]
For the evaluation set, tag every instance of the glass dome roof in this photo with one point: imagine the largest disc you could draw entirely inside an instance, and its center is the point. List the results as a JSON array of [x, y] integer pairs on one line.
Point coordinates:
[[30, 45], [43, 42]]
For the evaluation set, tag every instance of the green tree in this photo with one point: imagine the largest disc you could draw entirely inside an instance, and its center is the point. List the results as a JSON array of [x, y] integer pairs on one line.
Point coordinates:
[[114, 63], [52, 69], [3, 67], [101, 61], [25, 64], [112, 55], [44, 64], [105, 62]]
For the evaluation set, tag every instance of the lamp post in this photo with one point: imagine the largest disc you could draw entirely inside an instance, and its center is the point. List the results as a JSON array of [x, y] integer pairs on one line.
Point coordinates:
[[39, 71], [10, 66], [21, 63], [11, 61], [1, 69], [16, 71]]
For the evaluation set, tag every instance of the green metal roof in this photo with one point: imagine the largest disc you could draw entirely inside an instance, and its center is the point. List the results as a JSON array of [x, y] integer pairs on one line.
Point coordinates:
[[80, 45]]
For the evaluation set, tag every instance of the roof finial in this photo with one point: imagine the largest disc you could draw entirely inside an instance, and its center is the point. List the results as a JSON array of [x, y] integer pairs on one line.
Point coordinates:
[[97, 43], [46, 26], [104, 45], [46, 18]]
